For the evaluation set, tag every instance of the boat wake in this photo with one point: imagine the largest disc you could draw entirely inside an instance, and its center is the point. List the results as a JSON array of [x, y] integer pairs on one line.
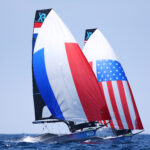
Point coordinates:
[[29, 139], [74, 137], [48, 138], [43, 138], [88, 135]]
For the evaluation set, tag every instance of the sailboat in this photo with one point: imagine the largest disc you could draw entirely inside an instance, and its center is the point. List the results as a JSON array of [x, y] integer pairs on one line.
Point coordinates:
[[65, 88], [113, 83]]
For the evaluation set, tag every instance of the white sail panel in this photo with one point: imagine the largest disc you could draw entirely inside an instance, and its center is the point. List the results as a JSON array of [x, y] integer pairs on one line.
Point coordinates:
[[97, 48], [46, 113]]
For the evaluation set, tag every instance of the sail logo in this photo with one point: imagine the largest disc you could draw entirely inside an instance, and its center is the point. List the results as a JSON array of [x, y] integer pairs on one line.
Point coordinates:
[[90, 133], [88, 34], [42, 17]]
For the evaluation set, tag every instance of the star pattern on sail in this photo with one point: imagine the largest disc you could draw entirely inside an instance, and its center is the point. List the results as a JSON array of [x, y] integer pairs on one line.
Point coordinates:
[[113, 81], [109, 70]]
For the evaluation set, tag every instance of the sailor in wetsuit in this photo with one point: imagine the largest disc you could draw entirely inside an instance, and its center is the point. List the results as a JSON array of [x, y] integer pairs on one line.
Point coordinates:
[[121, 132], [81, 126]]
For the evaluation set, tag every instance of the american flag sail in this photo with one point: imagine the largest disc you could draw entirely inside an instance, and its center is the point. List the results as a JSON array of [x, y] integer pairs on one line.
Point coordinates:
[[113, 83]]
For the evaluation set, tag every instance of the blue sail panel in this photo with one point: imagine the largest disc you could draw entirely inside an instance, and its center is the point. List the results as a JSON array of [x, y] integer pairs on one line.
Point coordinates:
[[35, 36], [44, 85]]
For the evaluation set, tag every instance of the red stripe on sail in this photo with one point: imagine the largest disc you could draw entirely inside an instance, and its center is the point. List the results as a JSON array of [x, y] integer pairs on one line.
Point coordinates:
[[37, 24], [91, 64], [124, 104], [105, 123], [101, 87], [114, 105], [112, 125], [86, 84], [138, 122]]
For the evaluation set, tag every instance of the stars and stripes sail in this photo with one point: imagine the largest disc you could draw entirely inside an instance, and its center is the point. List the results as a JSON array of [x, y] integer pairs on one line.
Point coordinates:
[[113, 83]]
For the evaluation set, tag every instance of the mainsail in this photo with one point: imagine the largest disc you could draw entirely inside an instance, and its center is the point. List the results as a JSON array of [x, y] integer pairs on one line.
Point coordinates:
[[40, 108], [64, 80], [112, 81]]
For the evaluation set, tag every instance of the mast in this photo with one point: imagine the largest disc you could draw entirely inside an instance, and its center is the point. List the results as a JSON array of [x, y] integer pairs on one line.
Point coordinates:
[[113, 82], [64, 78]]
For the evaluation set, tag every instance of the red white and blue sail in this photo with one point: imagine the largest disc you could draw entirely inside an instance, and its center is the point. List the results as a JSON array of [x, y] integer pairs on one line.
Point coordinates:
[[63, 76], [113, 82]]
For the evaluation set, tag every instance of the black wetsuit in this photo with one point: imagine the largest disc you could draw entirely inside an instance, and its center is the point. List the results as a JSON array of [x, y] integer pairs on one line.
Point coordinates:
[[121, 132], [74, 127]]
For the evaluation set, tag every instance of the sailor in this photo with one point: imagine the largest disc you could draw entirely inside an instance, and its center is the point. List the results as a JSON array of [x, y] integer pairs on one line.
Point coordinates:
[[122, 132]]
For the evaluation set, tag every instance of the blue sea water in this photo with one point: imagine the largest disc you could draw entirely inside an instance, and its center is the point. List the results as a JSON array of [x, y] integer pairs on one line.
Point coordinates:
[[25, 141]]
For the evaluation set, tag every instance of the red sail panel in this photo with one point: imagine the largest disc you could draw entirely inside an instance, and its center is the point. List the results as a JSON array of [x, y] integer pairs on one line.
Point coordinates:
[[86, 84], [37, 24], [91, 64]]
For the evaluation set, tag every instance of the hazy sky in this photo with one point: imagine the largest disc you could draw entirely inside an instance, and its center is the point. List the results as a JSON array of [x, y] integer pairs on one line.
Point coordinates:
[[125, 24]]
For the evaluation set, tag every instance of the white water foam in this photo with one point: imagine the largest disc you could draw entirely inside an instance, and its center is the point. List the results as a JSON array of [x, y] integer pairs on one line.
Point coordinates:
[[29, 139]]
